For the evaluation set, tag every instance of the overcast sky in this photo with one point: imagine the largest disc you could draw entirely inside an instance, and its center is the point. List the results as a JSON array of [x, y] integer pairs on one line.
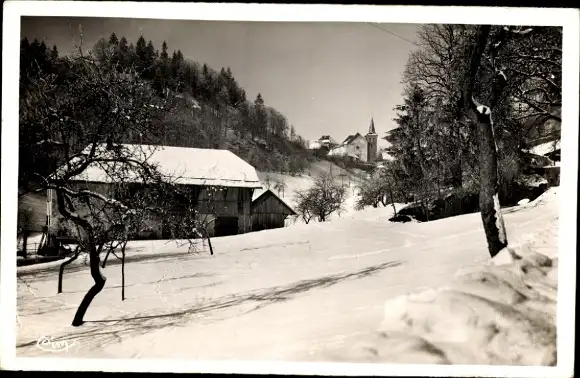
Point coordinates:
[[326, 78]]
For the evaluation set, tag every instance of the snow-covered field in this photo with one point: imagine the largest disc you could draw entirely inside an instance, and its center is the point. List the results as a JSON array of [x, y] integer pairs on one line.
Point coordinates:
[[317, 292]]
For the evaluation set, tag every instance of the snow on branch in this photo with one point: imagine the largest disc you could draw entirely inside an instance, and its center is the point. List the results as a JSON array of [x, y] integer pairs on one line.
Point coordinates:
[[107, 200], [519, 30], [501, 74], [72, 193], [48, 141]]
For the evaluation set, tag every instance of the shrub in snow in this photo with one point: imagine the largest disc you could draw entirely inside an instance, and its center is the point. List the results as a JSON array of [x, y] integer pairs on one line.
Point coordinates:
[[401, 218]]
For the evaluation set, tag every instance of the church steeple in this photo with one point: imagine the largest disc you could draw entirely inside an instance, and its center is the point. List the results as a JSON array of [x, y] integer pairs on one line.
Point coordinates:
[[371, 138], [372, 127]]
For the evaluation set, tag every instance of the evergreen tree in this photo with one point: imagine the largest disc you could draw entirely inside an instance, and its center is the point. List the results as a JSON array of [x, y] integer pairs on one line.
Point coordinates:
[[260, 118], [102, 52], [113, 40], [223, 95], [132, 56], [141, 55], [54, 54], [259, 101], [122, 54], [164, 56], [206, 84], [151, 51]]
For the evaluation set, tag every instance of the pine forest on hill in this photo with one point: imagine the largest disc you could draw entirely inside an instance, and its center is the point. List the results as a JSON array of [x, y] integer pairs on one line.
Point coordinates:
[[209, 107]]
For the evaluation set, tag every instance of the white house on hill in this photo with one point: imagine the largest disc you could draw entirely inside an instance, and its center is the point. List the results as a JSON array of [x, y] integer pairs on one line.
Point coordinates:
[[359, 147], [355, 146]]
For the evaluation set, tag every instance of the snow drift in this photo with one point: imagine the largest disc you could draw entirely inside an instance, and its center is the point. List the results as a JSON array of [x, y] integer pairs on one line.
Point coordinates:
[[503, 313]]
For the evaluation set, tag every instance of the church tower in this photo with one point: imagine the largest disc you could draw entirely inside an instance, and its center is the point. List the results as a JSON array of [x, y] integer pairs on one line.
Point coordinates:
[[372, 139]]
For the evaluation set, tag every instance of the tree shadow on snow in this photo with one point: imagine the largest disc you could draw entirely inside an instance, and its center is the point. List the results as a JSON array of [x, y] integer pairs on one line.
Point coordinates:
[[100, 332], [48, 273]]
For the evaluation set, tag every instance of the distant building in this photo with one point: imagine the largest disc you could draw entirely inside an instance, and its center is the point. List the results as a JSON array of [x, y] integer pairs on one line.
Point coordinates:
[[314, 144], [324, 141], [359, 147], [354, 146]]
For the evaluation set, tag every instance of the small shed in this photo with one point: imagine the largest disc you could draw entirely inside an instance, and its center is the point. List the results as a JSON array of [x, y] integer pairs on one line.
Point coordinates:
[[268, 210]]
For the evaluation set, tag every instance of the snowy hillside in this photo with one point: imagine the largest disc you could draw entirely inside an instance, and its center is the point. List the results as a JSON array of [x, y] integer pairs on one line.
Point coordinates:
[[317, 292], [306, 180]]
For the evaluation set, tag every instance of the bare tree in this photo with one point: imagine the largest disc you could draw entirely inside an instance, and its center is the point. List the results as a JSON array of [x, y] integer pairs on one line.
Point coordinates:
[[86, 116], [323, 199], [530, 57], [280, 186], [481, 116]]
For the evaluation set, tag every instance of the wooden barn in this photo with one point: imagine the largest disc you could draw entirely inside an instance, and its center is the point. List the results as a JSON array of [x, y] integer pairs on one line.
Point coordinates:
[[32, 210], [220, 181], [268, 210]]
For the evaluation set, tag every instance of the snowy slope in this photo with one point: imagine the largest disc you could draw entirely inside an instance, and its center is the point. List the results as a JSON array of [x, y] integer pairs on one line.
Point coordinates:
[[503, 313], [306, 180], [299, 293]]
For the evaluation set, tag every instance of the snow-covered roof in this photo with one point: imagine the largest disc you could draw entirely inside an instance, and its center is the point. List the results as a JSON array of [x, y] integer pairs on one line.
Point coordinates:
[[327, 139], [185, 166], [349, 139]]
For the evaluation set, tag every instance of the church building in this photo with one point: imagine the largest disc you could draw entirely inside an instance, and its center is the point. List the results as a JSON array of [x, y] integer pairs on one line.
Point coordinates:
[[359, 147]]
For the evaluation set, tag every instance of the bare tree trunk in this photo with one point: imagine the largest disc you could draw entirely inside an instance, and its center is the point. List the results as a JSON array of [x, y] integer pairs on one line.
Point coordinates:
[[109, 250], [384, 200], [392, 201], [489, 189], [208, 241], [42, 239], [63, 265], [491, 216], [25, 241], [123, 271], [99, 279], [94, 254]]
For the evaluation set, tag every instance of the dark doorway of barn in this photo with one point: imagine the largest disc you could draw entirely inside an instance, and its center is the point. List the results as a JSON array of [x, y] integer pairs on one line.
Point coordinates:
[[225, 226]]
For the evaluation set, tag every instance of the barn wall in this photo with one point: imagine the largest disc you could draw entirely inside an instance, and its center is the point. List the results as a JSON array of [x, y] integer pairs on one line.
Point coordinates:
[[268, 204], [268, 212], [234, 202], [32, 206], [230, 202], [245, 216], [267, 221]]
